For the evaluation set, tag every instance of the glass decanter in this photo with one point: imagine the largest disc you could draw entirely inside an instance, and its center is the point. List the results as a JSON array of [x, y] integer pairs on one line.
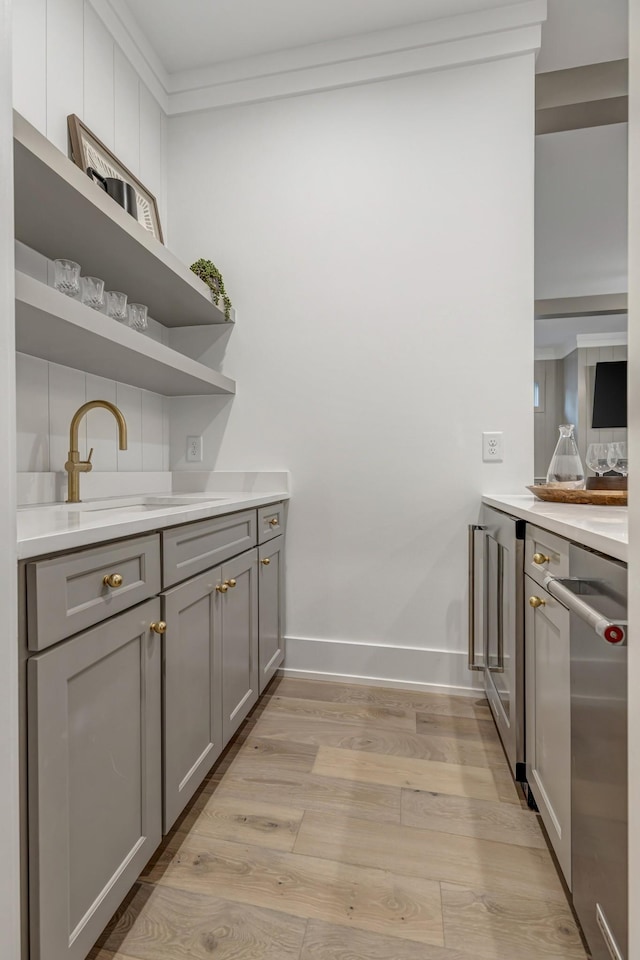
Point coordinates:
[[565, 469]]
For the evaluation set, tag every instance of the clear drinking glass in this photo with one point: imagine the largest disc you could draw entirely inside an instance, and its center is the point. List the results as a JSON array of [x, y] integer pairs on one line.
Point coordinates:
[[597, 458], [67, 277], [618, 459], [137, 313], [115, 305], [93, 292], [565, 469]]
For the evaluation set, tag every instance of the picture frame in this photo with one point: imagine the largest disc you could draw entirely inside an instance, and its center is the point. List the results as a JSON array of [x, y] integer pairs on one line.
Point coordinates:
[[87, 150]]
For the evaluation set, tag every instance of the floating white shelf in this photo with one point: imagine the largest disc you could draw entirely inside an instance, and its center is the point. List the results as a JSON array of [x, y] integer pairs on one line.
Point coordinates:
[[62, 213], [54, 327]]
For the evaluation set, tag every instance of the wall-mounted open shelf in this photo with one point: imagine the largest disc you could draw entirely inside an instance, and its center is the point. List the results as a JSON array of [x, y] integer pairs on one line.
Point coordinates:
[[61, 213], [54, 327]]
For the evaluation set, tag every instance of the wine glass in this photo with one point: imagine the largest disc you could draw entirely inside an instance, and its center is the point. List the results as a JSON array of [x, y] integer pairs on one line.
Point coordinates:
[[597, 458], [617, 458]]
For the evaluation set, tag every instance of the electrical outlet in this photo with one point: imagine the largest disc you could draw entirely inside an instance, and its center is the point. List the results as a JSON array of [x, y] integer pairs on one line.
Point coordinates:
[[493, 447], [194, 449]]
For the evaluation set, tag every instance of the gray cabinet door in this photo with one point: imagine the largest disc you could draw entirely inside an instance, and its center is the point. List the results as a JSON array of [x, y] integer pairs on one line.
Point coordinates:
[[548, 710], [271, 608], [94, 778], [192, 721], [239, 611]]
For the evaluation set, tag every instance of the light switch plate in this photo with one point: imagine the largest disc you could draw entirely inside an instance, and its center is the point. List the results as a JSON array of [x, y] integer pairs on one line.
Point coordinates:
[[493, 447]]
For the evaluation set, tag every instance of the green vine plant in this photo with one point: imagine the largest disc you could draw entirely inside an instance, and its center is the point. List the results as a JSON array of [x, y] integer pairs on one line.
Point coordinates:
[[208, 272]]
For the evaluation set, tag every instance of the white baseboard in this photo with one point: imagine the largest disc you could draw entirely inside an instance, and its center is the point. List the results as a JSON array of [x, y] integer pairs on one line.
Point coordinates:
[[408, 668]]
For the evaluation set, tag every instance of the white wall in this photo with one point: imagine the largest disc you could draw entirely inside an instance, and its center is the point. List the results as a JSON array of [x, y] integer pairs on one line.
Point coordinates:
[[378, 243], [9, 857], [634, 479], [578, 32], [581, 212], [66, 61]]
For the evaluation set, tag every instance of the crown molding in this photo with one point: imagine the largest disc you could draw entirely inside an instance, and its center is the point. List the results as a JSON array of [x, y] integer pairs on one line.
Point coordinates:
[[490, 34], [125, 31], [602, 340]]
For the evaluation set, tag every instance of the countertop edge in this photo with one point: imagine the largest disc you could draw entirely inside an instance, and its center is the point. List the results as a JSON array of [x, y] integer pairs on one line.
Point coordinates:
[[607, 545], [58, 541]]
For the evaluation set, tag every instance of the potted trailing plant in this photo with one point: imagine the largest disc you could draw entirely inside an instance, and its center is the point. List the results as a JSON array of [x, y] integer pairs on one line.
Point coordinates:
[[208, 272]]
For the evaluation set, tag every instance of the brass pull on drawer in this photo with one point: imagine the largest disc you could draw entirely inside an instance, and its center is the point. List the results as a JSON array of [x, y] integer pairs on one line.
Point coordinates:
[[113, 580]]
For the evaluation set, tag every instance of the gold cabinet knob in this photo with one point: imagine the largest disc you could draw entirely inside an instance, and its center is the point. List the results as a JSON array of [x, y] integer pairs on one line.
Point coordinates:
[[159, 627], [541, 558], [113, 580], [537, 602], [266, 561], [222, 588], [230, 583], [274, 521]]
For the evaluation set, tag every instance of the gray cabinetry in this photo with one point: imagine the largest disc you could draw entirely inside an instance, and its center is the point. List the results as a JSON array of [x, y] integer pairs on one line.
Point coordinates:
[[271, 521], [239, 629], [192, 719], [548, 703], [196, 547], [94, 778], [271, 608], [73, 592]]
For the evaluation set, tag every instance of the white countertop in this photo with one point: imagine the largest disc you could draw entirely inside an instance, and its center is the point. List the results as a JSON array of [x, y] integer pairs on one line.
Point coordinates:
[[61, 526], [602, 528]]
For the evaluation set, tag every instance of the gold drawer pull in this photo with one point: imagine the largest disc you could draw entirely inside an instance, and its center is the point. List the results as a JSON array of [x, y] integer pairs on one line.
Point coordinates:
[[274, 521], [113, 580], [159, 627], [230, 583], [537, 602], [222, 588], [266, 561], [541, 558]]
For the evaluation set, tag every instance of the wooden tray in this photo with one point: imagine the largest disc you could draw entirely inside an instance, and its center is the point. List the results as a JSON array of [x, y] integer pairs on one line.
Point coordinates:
[[601, 498]]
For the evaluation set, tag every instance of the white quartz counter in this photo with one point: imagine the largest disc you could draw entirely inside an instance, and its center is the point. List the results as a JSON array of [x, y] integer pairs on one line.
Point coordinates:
[[61, 526], [602, 528]]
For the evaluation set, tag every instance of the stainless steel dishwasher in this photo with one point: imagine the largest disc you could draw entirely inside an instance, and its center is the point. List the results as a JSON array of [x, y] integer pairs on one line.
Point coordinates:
[[596, 596]]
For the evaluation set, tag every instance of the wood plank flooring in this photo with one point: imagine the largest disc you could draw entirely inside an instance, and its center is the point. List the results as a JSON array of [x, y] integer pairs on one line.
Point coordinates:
[[348, 822]]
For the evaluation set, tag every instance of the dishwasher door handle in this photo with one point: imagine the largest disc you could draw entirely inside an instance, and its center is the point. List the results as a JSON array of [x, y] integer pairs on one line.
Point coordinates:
[[613, 631], [473, 529]]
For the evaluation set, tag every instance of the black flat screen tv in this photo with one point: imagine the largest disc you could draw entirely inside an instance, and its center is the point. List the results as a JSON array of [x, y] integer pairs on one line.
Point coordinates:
[[610, 395]]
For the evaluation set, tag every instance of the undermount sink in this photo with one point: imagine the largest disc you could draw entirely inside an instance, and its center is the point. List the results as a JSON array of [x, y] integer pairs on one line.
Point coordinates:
[[142, 505]]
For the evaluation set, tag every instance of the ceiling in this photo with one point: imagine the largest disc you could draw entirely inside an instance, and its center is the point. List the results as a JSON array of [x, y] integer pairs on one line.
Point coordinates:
[[560, 334], [198, 33]]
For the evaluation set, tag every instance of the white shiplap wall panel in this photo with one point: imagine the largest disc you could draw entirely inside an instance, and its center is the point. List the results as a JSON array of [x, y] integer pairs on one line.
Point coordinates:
[[67, 392], [152, 431], [65, 67], [102, 430], [127, 113], [32, 413], [30, 61], [129, 400], [151, 165], [66, 61], [99, 97]]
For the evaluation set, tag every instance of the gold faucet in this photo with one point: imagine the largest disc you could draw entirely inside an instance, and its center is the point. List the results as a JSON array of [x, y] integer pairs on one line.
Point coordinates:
[[74, 465]]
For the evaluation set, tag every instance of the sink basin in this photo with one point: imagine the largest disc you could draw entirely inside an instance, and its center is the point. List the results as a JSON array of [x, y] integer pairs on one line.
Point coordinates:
[[143, 505]]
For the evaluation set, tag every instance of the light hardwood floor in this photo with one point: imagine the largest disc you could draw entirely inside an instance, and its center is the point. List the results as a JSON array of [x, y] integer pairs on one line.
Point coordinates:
[[348, 822]]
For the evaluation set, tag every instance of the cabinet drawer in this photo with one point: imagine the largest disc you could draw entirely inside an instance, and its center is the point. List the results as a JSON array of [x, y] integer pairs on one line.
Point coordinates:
[[270, 521], [545, 554], [70, 593], [195, 547]]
